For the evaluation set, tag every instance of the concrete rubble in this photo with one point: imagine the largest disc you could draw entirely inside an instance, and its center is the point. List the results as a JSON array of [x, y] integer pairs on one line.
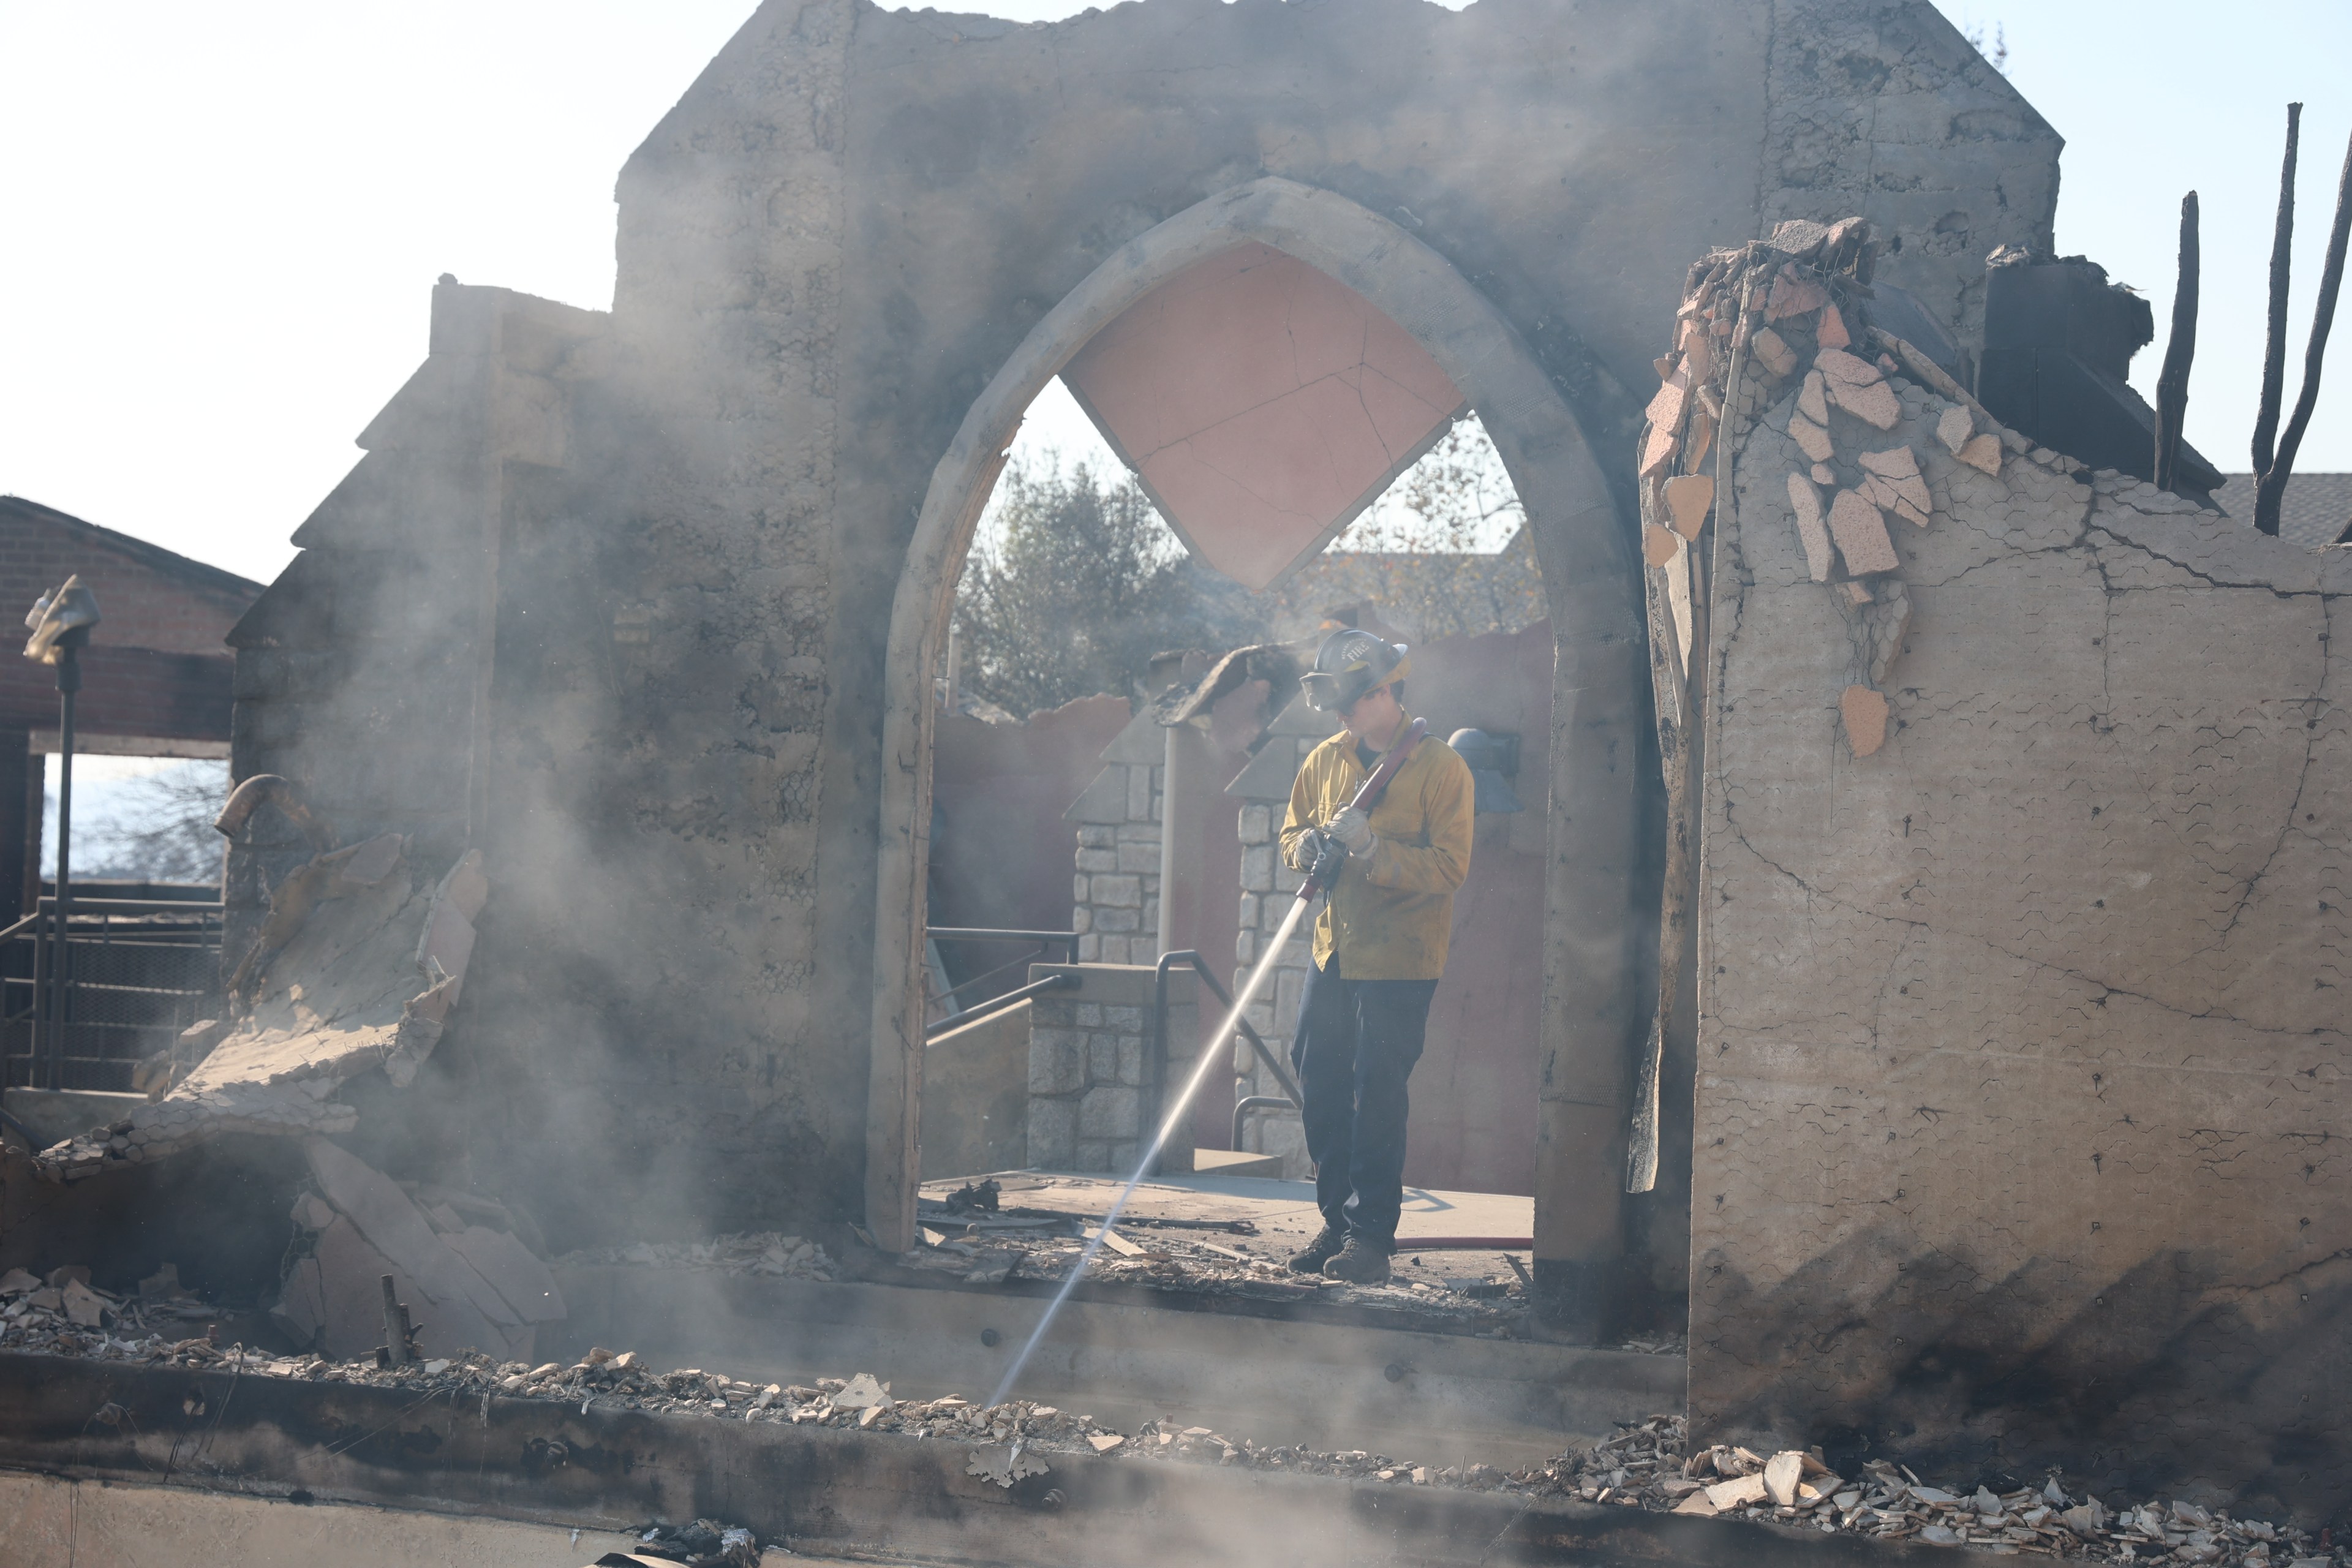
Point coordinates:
[[1643, 1466], [360, 958], [769, 1253], [459, 1257]]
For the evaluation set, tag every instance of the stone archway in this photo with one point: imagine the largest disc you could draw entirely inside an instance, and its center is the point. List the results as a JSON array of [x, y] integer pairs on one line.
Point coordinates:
[[1594, 1002]]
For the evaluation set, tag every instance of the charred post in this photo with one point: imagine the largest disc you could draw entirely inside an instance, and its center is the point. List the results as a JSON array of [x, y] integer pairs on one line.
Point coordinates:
[[2269, 490], [2172, 384], [2267, 411]]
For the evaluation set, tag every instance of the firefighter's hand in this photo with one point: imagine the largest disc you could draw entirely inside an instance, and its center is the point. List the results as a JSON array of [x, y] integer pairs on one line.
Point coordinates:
[[1353, 828], [1302, 852]]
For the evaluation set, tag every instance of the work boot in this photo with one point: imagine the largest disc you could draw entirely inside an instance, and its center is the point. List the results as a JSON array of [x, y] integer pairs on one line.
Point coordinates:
[[1360, 1262], [1319, 1251]]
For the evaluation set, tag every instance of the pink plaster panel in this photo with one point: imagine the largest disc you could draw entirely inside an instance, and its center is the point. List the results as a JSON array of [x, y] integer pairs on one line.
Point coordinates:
[[1264, 402]]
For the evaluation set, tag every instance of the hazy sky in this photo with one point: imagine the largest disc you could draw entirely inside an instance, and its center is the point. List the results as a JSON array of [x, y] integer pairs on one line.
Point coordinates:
[[225, 220]]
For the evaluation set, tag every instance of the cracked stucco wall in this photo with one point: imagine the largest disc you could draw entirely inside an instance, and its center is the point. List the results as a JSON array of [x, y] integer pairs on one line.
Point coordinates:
[[2023, 1047], [1885, 111]]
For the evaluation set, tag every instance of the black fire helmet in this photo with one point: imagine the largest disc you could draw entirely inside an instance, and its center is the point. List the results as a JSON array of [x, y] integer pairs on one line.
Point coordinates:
[[1349, 664]]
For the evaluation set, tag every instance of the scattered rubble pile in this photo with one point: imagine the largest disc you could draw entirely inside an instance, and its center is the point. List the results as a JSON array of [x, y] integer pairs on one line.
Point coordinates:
[[764, 1252], [470, 1265], [987, 1246], [361, 956], [63, 1304], [1645, 1465]]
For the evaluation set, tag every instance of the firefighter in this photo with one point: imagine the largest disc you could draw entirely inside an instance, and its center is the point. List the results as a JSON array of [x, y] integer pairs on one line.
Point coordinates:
[[1380, 944]]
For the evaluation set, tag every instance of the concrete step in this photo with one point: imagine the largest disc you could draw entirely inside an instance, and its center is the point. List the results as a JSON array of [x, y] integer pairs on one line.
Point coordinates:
[[1434, 1398], [1235, 1163]]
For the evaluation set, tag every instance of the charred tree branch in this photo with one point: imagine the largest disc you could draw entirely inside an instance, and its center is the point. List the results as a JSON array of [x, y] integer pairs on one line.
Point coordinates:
[[2172, 385], [2266, 410], [2270, 490]]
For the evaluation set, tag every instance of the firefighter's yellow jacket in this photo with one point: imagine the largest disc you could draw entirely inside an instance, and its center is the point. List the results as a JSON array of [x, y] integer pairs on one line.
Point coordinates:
[[1390, 913]]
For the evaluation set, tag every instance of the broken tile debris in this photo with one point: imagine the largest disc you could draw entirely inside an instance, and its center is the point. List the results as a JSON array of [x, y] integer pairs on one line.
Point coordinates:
[[1861, 534], [1688, 497], [1646, 1466], [1643, 1464], [1863, 713]]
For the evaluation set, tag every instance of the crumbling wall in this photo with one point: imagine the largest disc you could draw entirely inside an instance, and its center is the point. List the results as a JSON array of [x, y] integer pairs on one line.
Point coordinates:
[[1883, 110], [2023, 1042]]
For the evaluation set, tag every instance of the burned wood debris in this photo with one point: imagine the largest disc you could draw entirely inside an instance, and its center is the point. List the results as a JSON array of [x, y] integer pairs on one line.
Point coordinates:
[[704, 1543], [1198, 1256]]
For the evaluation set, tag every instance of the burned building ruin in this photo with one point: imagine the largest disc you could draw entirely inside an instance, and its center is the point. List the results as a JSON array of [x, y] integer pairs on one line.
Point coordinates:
[[1990, 1121]]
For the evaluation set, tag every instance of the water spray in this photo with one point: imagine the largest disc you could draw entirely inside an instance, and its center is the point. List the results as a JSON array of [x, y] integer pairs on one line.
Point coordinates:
[[1329, 857]]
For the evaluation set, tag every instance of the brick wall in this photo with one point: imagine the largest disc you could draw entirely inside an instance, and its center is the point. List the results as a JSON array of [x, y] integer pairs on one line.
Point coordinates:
[[146, 602]]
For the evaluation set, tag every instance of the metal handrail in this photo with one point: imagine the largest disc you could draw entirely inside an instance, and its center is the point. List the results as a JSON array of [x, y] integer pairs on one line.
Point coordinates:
[[998, 1004], [1224, 999], [1249, 1102], [992, 933], [1043, 941], [89, 924]]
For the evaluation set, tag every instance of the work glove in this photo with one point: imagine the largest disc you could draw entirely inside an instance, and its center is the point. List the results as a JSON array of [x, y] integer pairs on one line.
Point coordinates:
[[1353, 828]]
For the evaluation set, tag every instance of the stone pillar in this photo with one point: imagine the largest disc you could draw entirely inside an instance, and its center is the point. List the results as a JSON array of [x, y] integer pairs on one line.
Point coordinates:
[[1100, 1075], [1114, 894]]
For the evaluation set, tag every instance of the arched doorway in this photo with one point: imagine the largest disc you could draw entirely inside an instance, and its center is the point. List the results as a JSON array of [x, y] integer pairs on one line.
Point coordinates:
[[1595, 1006]]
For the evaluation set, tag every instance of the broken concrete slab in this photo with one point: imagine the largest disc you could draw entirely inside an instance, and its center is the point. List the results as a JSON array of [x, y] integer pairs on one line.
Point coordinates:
[[356, 967], [476, 1288]]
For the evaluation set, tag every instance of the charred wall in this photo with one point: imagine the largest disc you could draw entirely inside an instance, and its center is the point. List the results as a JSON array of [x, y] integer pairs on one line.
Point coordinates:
[[617, 605], [2023, 1051]]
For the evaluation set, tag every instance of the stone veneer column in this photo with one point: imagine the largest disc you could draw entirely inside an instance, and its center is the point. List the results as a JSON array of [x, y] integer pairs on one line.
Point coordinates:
[[1115, 893], [1098, 1070]]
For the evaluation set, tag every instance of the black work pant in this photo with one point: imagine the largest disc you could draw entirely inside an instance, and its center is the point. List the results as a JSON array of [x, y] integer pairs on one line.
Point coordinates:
[[1356, 1042]]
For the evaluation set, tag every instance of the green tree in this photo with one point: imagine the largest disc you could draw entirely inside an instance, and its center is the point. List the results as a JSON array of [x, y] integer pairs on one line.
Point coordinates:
[[1073, 586]]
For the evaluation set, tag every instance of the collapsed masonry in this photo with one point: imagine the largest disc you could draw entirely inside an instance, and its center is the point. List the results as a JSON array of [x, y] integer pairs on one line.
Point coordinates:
[[2020, 807]]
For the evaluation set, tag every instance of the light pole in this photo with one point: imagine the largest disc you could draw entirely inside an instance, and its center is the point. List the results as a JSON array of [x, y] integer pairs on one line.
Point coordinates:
[[61, 624]]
